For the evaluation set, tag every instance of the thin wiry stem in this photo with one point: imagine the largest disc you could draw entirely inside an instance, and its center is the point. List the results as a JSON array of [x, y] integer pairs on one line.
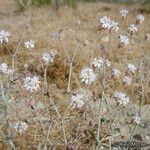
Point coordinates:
[[64, 131], [142, 87], [5, 110], [47, 135], [109, 143], [70, 70], [69, 79], [5, 103], [40, 120], [100, 107], [13, 56], [99, 121], [62, 119], [142, 97], [71, 60], [45, 78], [13, 68]]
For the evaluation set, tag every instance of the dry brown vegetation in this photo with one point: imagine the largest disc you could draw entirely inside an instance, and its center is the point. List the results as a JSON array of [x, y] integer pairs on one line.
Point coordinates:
[[40, 24]]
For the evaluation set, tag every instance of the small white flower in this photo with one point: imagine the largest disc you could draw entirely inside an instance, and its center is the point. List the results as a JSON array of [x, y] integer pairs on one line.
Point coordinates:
[[31, 83], [123, 39], [127, 80], [4, 68], [20, 126], [114, 26], [121, 98], [48, 57], [76, 100], [137, 119], [132, 28], [107, 23], [124, 12], [140, 19], [131, 68], [98, 63], [116, 73], [4, 36], [87, 76], [29, 44]]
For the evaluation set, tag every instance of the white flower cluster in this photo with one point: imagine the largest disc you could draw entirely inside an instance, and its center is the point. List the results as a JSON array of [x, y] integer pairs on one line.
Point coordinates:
[[114, 26], [21, 126], [98, 63], [131, 68], [123, 39], [48, 57], [76, 100], [29, 44], [87, 76], [137, 119], [127, 80], [109, 24], [140, 19], [116, 73], [121, 98], [132, 28], [124, 12], [31, 83], [4, 36], [5, 70]]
